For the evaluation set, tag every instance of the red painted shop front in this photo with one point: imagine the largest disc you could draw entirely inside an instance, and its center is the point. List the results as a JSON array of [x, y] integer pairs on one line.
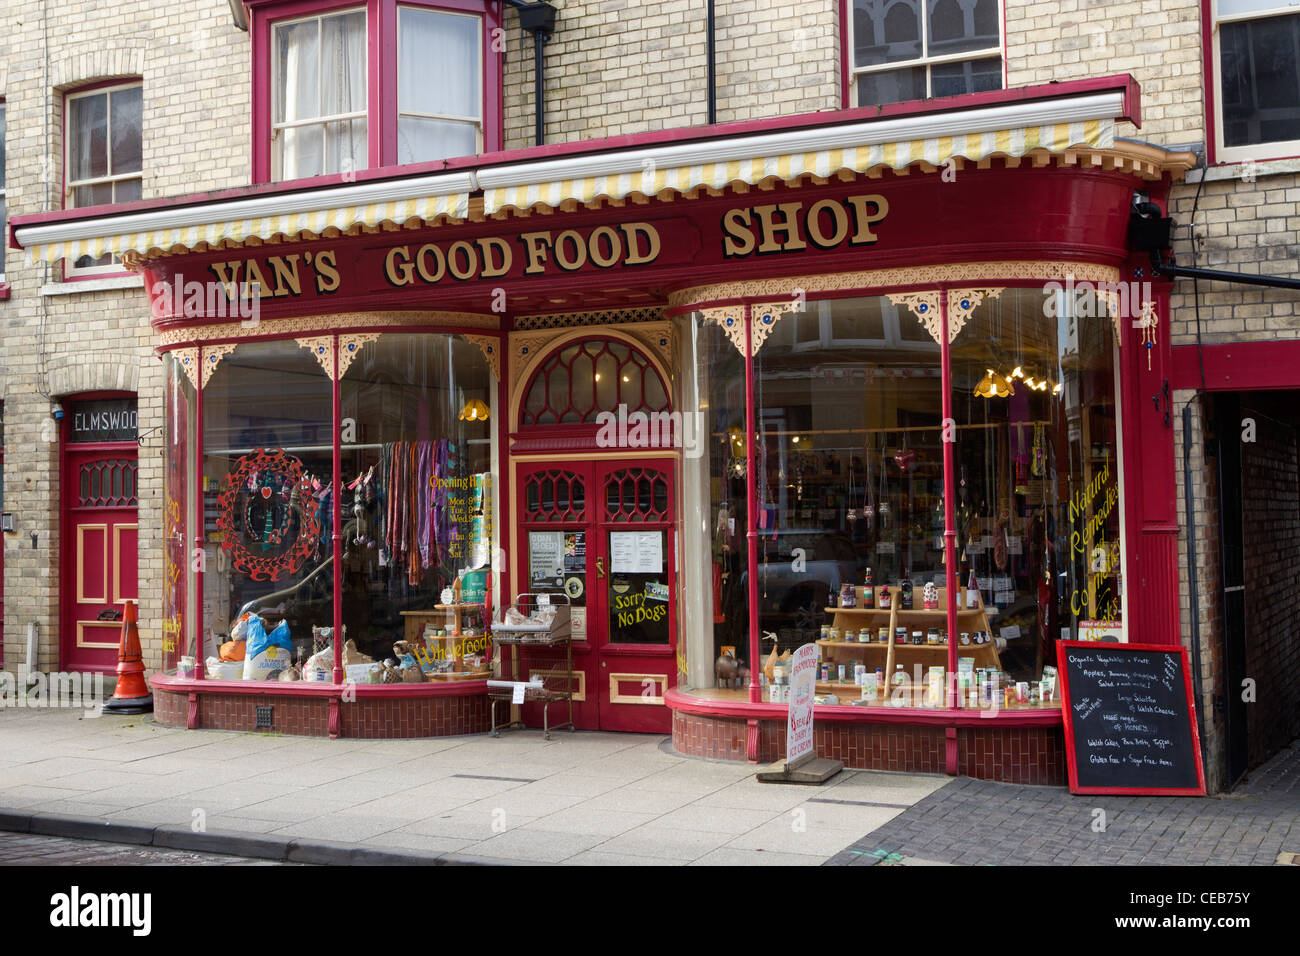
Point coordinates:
[[811, 305]]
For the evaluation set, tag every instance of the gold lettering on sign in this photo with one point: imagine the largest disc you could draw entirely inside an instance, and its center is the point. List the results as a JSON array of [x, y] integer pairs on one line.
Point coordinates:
[[791, 226]]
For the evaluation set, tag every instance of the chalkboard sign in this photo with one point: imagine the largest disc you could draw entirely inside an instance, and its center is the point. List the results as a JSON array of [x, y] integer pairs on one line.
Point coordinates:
[[1130, 725]]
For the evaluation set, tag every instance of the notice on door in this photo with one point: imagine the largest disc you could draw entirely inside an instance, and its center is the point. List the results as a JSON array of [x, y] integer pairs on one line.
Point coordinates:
[[546, 558], [636, 552]]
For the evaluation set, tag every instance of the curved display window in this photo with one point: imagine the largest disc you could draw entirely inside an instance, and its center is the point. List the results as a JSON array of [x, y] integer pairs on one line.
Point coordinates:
[[848, 470]]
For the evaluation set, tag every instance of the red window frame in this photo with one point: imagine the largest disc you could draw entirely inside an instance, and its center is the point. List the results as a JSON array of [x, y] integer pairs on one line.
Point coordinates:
[[381, 70]]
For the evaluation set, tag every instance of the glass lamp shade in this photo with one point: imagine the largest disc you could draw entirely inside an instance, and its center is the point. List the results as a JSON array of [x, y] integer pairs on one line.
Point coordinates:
[[474, 411]]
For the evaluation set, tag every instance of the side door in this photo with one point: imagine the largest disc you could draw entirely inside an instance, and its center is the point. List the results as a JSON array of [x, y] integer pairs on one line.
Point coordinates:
[[636, 636], [99, 563]]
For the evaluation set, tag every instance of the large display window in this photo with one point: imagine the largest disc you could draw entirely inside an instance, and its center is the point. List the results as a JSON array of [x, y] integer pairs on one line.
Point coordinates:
[[252, 556], [849, 476]]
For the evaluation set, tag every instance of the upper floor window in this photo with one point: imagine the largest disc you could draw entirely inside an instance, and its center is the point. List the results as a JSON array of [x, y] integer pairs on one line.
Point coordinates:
[[103, 156], [333, 104], [319, 124], [1258, 79], [915, 49]]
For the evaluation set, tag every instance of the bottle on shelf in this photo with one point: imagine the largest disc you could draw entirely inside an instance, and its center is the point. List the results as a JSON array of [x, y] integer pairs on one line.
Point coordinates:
[[972, 591], [847, 597], [456, 591], [868, 590], [885, 598], [905, 592]]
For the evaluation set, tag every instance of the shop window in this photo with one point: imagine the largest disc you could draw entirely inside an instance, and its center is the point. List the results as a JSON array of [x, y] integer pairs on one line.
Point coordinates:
[[586, 378], [417, 491], [915, 49], [103, 156], [319, 123], [331, 107], [267, 521], [179, 521], [1257, 79]]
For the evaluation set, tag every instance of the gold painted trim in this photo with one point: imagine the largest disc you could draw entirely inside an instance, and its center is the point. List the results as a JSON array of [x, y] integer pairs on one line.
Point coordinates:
[[82, 598], [332, 321], [490, 346], [595, 317], [321, 348], [732, 320], [189, 363], [616, 698], [112, 645], [961, 303], [117, 562], [350, 345], [580, 694], [925, 306], [771, 293], [212, 356]]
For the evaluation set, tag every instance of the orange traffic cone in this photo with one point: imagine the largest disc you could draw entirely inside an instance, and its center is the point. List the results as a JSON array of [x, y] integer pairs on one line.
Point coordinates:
[[131, 696]]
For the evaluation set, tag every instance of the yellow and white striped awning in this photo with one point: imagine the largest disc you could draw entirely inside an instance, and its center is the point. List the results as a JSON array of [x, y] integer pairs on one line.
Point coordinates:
[[277, 227], [823, 163]]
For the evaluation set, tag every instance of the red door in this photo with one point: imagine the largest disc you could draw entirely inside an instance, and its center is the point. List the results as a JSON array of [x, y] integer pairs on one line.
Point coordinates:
[[99, 552], [635, 611], [602, 534]]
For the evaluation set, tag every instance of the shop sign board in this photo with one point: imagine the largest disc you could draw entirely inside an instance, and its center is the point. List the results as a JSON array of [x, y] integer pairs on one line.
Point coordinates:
[[1130, 721], [799, 720]]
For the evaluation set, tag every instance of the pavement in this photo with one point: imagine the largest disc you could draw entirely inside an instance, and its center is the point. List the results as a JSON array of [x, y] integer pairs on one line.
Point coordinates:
[[974, 822], [581, 798], [25, 849]]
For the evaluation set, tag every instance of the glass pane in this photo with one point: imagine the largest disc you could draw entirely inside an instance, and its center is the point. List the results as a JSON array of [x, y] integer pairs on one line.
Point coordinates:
[[891, 86], [268, 464], [973, 76], [440, 63], [606, 382], [343, 63], [424, 140], [406, 393], [1261, 82], [638, 593], [584, 384], [92, 195], [886, 31], [86, 262], [126, 190], [178, 516], [346, 144], [126, 119], [959, 25], [850, 475], [297, 58], [630, 386], [1034, 402], [302, 152], [88, 136]]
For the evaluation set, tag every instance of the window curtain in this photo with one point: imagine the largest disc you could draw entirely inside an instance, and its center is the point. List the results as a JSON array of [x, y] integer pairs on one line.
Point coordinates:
[[447, 83], [322, 72]]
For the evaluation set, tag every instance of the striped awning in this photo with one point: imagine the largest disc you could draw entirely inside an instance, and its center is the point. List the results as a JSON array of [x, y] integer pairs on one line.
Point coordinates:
[[297, 224], [650, 181]]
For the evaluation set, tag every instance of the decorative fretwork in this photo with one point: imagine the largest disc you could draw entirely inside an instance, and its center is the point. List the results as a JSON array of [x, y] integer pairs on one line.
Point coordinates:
[[322, 349], [925, 306], [580, 380], [961, 303], [350, 344], [212, 356], [637, 494], [490, 346], [555, 495], [108, 483], [565, 320]]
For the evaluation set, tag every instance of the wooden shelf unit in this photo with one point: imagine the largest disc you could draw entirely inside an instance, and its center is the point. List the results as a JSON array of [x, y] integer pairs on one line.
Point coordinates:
[[969, 620]]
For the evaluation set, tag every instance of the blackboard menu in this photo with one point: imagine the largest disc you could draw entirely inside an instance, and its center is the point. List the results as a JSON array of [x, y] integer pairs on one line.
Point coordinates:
[[1130, 726]]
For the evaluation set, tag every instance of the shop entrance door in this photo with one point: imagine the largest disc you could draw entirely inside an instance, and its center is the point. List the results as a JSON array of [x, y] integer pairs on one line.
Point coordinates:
[[601, 533], [99, 554]]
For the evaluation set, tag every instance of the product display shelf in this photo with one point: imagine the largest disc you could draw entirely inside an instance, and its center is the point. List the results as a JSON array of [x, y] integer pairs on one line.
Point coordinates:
[[885, 655], [453, 643]]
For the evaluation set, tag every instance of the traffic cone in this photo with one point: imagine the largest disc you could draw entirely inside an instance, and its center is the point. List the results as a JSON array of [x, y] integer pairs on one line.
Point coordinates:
[[131, 696]]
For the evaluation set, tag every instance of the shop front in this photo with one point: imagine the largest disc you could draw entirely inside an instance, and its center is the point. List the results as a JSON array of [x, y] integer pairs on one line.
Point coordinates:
[[879, 382]]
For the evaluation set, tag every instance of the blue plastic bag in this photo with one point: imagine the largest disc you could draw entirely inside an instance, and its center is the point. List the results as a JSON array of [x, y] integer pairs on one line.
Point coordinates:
[[259, 640]]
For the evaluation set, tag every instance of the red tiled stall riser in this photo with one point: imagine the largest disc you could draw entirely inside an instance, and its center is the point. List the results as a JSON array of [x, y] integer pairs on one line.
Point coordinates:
[[1029, 755], [308, 716]]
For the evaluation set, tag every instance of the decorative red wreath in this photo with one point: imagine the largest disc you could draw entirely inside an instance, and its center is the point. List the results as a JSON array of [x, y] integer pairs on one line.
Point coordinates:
[[268, 515]]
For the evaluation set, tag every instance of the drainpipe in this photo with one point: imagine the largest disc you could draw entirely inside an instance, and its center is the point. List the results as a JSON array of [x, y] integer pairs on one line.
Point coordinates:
[[712, 63], [1193, 584], [539, 20]]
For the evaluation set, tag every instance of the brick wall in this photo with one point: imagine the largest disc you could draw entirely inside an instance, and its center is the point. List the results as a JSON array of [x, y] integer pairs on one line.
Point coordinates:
[[1271, 530]]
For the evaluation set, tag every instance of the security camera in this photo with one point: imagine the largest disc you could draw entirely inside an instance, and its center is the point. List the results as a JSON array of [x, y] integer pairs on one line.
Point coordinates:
[[57, 411]]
